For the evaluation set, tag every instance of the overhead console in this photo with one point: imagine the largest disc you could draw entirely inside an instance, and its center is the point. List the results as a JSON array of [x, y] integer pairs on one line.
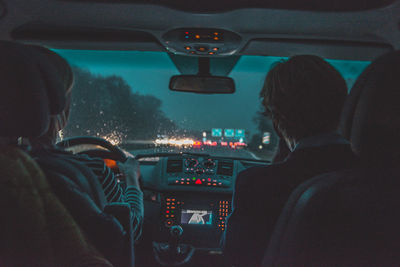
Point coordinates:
[[203, 42]]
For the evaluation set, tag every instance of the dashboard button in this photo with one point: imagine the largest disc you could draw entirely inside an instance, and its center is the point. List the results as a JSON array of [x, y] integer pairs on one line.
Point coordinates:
[[169, 222], [202, 48]]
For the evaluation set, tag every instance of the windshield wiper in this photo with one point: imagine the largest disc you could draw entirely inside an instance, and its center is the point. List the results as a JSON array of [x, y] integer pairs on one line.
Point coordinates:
[[168, 154]]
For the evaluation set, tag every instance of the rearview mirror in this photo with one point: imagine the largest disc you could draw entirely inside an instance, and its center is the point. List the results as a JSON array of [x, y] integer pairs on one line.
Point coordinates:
[[202, 84]]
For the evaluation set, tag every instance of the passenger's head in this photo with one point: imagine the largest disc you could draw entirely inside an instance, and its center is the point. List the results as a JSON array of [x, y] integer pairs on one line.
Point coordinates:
[[303, 96], [59, 121]]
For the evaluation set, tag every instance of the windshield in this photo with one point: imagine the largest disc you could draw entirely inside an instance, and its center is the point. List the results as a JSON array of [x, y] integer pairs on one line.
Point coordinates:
[[123, 96]]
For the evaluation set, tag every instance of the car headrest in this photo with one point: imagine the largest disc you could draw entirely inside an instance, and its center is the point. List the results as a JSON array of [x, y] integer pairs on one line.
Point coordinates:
[[28, 96], [371, 116]]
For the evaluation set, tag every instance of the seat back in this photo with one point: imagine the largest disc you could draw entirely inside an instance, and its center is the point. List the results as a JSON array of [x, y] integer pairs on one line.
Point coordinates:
[[348, 218], [31, 89], [36, 229], [27, 82], [351, 218]]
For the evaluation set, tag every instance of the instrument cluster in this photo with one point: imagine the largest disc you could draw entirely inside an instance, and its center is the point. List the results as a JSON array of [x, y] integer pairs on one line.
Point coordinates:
[[200, 166]]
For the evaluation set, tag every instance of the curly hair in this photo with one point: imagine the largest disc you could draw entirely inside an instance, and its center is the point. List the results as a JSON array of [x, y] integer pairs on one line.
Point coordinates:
[[304, 96]]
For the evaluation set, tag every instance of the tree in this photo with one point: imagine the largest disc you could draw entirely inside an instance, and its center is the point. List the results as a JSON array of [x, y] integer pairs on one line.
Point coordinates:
[[106, 106]]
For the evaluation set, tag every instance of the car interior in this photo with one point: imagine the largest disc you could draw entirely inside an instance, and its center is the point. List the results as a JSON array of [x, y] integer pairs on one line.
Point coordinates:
[[176, 84]]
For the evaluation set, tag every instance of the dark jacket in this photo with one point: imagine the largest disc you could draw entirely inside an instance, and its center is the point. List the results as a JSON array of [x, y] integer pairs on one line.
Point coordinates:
[[261, 193]]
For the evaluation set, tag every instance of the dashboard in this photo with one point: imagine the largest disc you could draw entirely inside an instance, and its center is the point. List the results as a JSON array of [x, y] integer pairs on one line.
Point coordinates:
[[193, 192]]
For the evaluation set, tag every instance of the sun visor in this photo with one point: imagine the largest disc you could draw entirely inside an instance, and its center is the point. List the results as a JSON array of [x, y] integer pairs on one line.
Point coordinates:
[[330, 49]]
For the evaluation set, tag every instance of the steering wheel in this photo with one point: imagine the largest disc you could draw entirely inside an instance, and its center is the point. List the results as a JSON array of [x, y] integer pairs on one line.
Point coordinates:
[[111, 151]]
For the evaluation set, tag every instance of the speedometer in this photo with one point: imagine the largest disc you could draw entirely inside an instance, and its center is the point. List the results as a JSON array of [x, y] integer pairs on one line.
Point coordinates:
[[191, 163], [209, 164]]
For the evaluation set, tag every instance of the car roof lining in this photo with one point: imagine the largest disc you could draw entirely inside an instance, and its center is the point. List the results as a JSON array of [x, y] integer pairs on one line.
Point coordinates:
[[124, 39], [125, 25], [212, 6]]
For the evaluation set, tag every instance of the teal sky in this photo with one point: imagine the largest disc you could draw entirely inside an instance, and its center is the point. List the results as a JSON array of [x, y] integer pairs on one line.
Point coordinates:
[[149, 73]]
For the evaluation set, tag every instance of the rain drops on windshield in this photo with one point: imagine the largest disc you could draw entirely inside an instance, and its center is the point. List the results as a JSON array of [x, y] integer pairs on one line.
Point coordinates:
[[123, 97]]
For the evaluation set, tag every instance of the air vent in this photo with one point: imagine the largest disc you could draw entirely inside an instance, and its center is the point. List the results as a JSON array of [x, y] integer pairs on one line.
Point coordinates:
[[225, 168], [174, 165]]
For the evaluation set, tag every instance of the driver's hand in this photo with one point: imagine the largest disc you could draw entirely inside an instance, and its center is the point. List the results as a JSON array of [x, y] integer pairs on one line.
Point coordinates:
[[131, 170]]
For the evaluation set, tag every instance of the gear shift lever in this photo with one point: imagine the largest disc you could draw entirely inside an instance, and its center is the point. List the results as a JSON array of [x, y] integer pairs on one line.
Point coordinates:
[[173, 253], [175, 234]]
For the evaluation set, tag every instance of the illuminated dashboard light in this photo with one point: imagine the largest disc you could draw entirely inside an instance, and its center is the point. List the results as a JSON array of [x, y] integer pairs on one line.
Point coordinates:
[[197, 36], [198, 181], [215, 48], [186, 32], [188, 47], [211, 53], [209, 179], [167, 211], [216, 38], [215, 33]]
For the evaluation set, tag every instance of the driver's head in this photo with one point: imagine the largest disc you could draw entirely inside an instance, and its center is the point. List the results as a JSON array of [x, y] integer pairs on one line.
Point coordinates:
[[59, 121], [303, 96]]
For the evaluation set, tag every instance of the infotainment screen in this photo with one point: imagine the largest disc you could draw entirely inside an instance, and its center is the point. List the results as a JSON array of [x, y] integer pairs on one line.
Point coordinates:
[[199, 217]]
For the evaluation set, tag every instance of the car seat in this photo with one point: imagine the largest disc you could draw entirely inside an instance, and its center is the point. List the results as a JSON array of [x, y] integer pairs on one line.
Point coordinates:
[[351, 217]]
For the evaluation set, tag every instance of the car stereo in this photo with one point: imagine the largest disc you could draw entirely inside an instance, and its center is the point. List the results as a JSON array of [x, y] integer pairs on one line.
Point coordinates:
[[189, 212]]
